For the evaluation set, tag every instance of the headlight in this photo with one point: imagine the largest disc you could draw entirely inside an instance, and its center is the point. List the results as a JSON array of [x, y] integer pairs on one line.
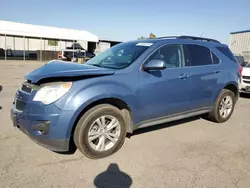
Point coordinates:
[[52, 92]]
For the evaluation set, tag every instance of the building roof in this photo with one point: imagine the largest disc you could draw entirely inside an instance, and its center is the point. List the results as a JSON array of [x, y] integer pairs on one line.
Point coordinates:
[[38, 31], [108, 40], [238, 32]]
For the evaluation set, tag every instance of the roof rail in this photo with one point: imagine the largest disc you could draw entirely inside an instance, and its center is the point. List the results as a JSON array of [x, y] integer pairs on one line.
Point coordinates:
[[168, 37], [198, 38], [189, 37]]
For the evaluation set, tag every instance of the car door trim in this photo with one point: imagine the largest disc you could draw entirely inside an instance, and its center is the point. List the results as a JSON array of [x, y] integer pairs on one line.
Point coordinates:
[[174, 117]]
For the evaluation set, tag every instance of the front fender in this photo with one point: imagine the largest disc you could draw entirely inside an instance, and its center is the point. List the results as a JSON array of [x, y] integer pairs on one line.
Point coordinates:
[[78, 102]]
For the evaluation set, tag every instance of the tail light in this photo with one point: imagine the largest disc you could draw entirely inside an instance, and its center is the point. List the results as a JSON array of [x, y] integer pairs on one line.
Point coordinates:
[[240, 70]]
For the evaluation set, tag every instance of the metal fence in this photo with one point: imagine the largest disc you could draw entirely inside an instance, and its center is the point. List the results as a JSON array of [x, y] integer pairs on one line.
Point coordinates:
[[28, 48]]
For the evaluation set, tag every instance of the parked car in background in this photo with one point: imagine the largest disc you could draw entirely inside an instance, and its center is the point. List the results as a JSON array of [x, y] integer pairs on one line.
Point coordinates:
[[245, 64], [73, 52], [129, 86], [245, 79], [241, 60]]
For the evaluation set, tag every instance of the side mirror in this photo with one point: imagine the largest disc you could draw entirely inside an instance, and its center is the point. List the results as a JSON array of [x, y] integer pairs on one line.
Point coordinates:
[[155, 64]]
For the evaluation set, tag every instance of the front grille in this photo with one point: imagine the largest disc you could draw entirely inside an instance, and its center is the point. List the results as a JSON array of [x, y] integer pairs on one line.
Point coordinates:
[[247, 82], [20, 105], [246, 77], [26, 88]]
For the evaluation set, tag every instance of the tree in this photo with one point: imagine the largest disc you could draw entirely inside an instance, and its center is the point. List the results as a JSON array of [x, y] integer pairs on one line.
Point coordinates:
[[141, 38], [152, 36]]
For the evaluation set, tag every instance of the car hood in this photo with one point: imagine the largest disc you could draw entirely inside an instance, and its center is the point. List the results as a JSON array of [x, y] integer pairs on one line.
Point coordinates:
[[60, 69]]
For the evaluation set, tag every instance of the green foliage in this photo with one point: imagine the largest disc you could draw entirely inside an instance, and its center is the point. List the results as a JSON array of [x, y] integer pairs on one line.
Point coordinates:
[[52, 42], [151, 36], [141, 38]]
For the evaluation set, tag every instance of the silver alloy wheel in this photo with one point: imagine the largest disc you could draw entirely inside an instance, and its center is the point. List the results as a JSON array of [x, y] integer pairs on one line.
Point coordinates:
[[104, 133], [226, 106]]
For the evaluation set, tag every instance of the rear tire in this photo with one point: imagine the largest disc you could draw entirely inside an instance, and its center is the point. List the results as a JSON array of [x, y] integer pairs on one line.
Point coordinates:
[[224, 107], [91, 123]]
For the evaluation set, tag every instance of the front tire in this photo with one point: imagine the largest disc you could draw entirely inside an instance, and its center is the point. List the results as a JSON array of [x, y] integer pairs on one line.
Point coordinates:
[[224, 106], [100, 132]]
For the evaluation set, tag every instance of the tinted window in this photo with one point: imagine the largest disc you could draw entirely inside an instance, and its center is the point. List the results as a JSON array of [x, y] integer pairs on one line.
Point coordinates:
[[216, 60], [227, 53], [199, 55], [171, 54]]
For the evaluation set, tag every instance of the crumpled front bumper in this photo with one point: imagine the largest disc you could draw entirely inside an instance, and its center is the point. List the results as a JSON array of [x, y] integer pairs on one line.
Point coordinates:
[[38, 131]]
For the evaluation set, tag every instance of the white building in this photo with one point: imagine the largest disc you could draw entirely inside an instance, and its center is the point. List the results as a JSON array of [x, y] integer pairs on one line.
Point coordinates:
[[240, 43], [35, 42]]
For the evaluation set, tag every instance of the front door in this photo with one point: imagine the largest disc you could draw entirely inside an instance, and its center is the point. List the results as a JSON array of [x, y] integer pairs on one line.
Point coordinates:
[[165, 92]]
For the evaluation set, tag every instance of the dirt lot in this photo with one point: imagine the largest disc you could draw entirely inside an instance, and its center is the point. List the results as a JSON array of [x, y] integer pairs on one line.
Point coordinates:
[[191, 153]]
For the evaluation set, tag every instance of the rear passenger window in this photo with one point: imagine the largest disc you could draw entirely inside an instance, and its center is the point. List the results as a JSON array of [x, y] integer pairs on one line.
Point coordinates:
[[199, 55], [227, 53], [216, 60]]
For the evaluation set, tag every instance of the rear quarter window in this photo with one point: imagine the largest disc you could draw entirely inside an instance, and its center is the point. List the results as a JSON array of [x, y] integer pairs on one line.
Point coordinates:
[[216, 60]]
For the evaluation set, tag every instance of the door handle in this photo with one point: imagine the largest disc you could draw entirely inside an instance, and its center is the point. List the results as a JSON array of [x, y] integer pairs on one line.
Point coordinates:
[[217, 71], [183, 76]]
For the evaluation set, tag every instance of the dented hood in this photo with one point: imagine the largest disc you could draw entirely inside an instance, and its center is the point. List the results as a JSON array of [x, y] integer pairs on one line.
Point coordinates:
[[56, 69]]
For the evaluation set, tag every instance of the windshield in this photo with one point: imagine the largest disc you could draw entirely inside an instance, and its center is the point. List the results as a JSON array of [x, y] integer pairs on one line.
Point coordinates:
[[120, 55]]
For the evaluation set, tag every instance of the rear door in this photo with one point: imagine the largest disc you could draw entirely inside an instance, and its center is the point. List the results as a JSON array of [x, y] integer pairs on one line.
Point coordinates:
[[205, 72]]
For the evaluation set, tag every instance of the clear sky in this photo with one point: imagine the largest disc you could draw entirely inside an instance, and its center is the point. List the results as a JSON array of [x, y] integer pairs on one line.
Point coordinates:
[[129, 19]]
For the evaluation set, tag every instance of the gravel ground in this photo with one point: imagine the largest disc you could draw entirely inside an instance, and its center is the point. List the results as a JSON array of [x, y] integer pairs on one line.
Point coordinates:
[[190, 153]]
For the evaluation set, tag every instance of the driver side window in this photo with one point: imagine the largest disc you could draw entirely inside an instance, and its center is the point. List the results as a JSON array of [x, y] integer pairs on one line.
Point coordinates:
[[171, 54]]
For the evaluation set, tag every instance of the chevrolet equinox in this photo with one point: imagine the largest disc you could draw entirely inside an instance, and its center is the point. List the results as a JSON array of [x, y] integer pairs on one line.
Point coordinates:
[[129, 86]]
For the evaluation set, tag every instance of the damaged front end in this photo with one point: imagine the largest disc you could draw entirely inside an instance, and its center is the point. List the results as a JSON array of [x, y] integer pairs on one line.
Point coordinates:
[[38, 107]]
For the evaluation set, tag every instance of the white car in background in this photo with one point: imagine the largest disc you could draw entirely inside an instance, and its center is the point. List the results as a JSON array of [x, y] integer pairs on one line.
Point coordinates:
[[245, 79]]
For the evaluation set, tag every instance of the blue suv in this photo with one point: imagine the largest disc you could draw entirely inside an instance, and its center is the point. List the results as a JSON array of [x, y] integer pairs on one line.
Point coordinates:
[[129, 86]]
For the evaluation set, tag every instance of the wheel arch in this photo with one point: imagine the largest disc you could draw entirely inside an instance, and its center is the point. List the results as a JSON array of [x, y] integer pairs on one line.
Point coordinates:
[[234, 88], [120, 104]]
